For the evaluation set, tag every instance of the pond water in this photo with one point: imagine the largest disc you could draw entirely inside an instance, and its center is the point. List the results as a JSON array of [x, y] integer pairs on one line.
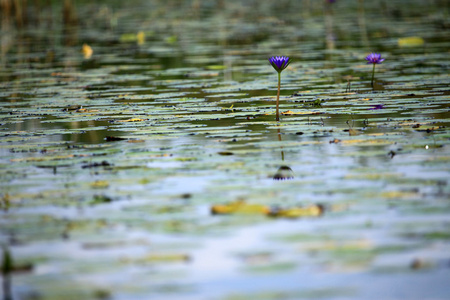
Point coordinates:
[[140, 157]]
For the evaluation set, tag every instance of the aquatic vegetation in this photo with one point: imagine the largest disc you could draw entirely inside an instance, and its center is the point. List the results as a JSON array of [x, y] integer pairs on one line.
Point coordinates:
[[242, 207], [374, 58], [279, 63], [158, 160], [412, 41], [239, 207], [314, 210]]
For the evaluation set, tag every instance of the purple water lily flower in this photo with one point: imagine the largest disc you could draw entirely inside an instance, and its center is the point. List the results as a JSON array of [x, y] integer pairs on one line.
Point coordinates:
[[279, 63], [377, 106], [374, 58]]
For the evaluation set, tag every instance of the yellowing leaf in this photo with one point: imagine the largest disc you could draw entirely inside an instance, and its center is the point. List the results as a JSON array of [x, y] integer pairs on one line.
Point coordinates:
[[100, 184], [43, 158], [140, 38], [155, 258], [346, 245], [289, 112], [84, 110], [297, 212], [399, 194], [87, 51], [413, 41], [133, 120], [230, 108], [239, 206], [428, 128], [167, 257], [216, 67]]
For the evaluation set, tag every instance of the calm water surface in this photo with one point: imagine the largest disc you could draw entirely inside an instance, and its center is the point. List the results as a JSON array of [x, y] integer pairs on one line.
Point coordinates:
[[113, 154]]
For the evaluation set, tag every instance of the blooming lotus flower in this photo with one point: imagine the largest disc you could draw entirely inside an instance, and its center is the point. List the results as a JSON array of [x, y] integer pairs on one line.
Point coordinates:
[[279, 63], [374, 58]]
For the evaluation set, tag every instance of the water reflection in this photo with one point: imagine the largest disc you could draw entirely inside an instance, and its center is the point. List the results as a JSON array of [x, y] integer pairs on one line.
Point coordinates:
[[70, 24], [362, 24], [329, 33], [6, 273], [6, 39], [284, 172]]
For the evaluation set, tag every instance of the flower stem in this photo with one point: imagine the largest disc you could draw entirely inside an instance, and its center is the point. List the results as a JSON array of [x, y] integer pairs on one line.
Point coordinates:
[[373, 74], [278, 95]]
